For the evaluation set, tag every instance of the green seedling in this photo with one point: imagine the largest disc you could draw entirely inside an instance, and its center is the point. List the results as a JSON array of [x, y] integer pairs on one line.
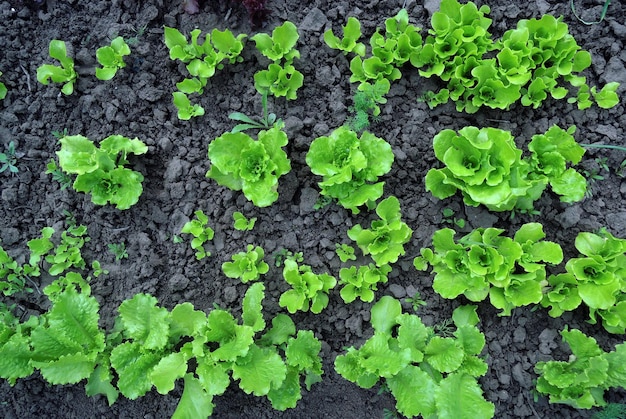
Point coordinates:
[[416, 301], [60, 176], [361, 282], [186, 110], [386, 237], [8, 159], [3, 89], [280, 256], [118, 250], [201, 232], [488, 168], [278, 80], [281, 78], [349, 43], [410, 359], [267, 121], [247, 266], [322, 202], [483, 264], [309, 290], [101, 170], [111, 58], [64, 74], [582, 380], [345, 252], [449, 218], [133, 41], [242, 223], [60, 134]]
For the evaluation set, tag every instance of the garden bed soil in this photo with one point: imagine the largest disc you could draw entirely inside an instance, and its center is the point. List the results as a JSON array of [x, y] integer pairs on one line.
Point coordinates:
[[137, 103]]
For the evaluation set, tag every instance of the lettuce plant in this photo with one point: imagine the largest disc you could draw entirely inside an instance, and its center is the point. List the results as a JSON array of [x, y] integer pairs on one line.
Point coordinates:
[[151, 346], [400, 42], [248, 265], [111, 58], [100, 170], [385, 240], [242, 223], [64, 343], [241, 163], [186, 110], [3, 89], [61, 258], [512, 272], [414, 360], [345, 252], [65, 74], [309, 290], [361, 282], [532, 62], [349, 166], [202, 59], [350, 41], [487, 167], [281, 78], [582, 380], [201, 233], [597, 278]]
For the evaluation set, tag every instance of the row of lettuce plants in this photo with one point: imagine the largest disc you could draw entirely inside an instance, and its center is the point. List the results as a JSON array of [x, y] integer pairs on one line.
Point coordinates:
[[151, 346]]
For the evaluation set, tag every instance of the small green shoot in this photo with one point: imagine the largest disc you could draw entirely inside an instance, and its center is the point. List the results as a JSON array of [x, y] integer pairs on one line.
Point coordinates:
[[118, 250], [280, 256], [186, 110], [201, 232], [64, 179], [3, 89], [111, 58], [59, 134], [133, 41], [64, 74], [247, 266], [322, 202], [345, 252], [416, 301], [8, 159], [449, 218], [242, 223], [267, 121], [611, 411]]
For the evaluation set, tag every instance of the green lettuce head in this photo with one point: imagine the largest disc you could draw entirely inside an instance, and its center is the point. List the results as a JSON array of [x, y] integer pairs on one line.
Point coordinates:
[[485, 165], [241, 163]]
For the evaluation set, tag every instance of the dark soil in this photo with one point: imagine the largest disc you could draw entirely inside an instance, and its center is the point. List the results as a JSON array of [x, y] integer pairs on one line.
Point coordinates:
[[137, 103]]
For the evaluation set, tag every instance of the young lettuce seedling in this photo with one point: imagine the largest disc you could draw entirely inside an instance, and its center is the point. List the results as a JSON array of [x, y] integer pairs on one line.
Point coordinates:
[[64, 74], [248, 265], [111, 58], [349, 43], [411, 359], [281, 78], [186, 110], [386, 238], [242, 223], [3, 89], [100, 170], [201, 232], [309, 290]]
